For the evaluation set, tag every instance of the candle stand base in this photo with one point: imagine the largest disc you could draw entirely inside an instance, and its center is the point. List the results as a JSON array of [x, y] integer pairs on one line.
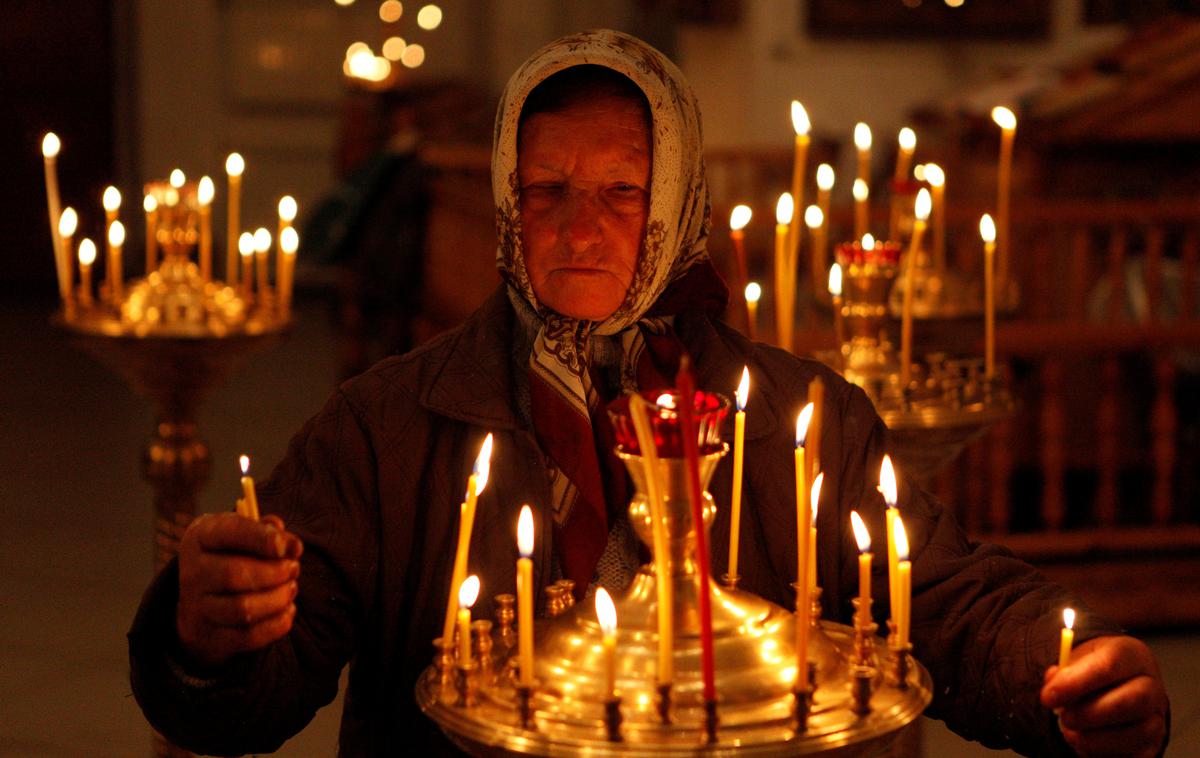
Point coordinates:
[[664, 703], [465, 685], [612, 719], [711, 719], [730, 580]]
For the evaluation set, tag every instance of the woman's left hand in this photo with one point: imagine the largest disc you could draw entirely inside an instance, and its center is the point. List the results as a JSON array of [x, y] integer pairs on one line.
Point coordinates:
[[1110, 699]]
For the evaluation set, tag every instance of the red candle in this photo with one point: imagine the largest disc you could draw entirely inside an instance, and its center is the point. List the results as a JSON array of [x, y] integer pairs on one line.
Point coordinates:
[[689, 432]]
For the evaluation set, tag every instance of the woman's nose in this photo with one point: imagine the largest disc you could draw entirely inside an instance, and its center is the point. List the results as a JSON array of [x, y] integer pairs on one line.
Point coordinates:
[[581, 222]]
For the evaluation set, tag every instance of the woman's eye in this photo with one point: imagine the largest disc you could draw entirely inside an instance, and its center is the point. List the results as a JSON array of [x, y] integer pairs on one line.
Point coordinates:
[[626, 191]]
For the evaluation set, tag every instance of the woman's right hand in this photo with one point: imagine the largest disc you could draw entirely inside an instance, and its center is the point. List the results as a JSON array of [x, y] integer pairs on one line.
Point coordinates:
[[238, 580]]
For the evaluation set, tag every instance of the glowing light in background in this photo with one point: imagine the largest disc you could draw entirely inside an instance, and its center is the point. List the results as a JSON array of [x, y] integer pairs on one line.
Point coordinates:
[[413, 56], [429, 17], [390, 11], [393, 48]]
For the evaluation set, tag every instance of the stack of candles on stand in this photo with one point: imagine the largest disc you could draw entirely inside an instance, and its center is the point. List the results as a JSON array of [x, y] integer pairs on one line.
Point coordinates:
[[178, 224]]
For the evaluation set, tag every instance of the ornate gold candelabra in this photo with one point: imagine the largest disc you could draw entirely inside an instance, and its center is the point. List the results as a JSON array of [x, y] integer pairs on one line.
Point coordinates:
[[568, 711]]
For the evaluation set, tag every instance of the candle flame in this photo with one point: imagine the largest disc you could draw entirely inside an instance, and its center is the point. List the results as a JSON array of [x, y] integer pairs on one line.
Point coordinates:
[[802, 421], [665, 400], [919, 172], [244, 462], [51, 145], [908, 139], [1004, 118], [1069, 618], [525, 531], [178, 179], [814, 495], [289, 241], [861, 190], [924, 202], [935, 175], [206, 190], [606, 612], [246, 244], [68, 222], [784, 209], [861, 535], [235, 164], [887, 481], [825, 177], [987, 228], [116, 234], [739, 217], [862, 136], [743, 389], [149, 204], [868, 241], [835, 280], [262, 239], [111, 198], [813, 217], [87, 252], [468, 591], [901, 539], [753, 292], [287, 208], [800, 122], [483, 464]]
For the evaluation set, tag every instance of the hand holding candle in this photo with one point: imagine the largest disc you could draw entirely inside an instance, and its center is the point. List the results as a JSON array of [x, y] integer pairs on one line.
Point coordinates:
[[525, 595], [739, 437], [248, 505], [606, 614], [863, 538], [468, 593]]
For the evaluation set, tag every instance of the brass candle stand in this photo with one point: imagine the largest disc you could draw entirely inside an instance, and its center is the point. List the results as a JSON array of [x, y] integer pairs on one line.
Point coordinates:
[[758, 711]]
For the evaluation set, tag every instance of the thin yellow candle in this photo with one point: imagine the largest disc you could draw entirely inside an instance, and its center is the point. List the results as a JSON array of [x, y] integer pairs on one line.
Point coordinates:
[[887, 486], [262, 248], [51, 146], [825, 177], [739, 439], [289, 241], [835, 293], [249, 499], [987, 230], [87, 256], [234, 166], [287, 212], [68, 222], [111, 200], [814, 502], [525, 595], [468, 593], [936, 178], [816, 396], [150, 206], [803, 520], [862, 143], [863, 538], [784, 209], [902, 608], [814, 219], [1007, 121], [116, 267], [606, 614], [1068, 638], [738, 218], [861, 209], [908, 145], [753, 294], [246, 250], [922, 215], [475, 485], [801, 126], [204, 196], [658, 529]]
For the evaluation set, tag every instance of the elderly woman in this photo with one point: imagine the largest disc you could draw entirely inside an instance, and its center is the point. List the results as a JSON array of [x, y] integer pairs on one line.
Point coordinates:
[[602, 215]]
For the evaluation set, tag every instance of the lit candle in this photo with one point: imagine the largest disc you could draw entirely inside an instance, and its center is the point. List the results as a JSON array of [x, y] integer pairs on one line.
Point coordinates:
[[111, 200], [1007, 121], [525, 595], [262, 247], [937, 187], [468, 593], [814, 501], [51, 146], [67, 224], [753, 293], [246, 250], [739, 438], [814, 219], [987, 230], [150, 206], [825, 178], [803, 520], [816, 396], [606, 614], [863, 538], [116, 268], [289, 241], [466, 523], [177, 178], [862, 142], [287, 212], [887, 486], [801, 126], [249, 496], [87, 256], [738, 218], [861, 209], [908, 144], [922, 215], [835, 292], [204, 195], [902, 610], [784, 278], [1068, 637], [234, 166]]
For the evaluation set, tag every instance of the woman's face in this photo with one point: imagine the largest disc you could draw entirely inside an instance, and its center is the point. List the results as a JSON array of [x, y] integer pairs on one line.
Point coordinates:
[[584, 174]]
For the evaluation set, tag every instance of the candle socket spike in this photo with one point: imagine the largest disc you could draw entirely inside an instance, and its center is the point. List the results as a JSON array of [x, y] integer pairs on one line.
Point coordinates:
[[861, 677], [567, 598], [505, 615], [901, 657], [612, 719], [554, 600], [481, 633], [815, 610], [664, 703], [804, 702], [710, 721], [730, 580], [443, 662], [864, 633], [465, 684], [525, 707]]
